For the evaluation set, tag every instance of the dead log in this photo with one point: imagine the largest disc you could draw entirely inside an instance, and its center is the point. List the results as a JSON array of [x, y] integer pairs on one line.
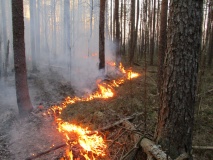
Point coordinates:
[[152, 150]]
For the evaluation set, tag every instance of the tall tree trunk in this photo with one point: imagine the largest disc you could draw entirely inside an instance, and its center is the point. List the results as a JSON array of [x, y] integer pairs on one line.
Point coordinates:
[[22, 92], [210, 42], [111, 25], [152, 45], [54, 38], [158, 28], [162, 42], [117, 40], [7, 59], [32, 34], [121, 27], [136, 29], [132, 29], [4, 35], [38, 30], [91, 17], [46, 42], [67, 29], [176, 115], [0, 57], [101, 35], [124, 42]]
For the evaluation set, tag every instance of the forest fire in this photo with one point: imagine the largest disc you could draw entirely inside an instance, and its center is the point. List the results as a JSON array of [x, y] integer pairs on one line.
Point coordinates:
[[81, 141]]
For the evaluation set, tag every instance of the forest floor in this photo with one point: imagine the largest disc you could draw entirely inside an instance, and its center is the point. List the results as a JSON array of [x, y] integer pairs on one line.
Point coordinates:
[[20, 138]]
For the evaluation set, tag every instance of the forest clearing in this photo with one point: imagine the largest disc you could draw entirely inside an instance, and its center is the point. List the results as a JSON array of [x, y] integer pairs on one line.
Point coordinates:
[[106, 80]]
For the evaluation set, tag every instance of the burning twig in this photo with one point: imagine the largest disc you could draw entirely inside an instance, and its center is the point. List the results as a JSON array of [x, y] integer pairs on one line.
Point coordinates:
[[46, 152]]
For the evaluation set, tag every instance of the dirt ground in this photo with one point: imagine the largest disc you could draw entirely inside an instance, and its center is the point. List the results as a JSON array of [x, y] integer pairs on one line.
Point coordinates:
[[20, 138]]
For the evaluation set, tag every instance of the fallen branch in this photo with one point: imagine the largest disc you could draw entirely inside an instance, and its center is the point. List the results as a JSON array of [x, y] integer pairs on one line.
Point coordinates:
[[120, 121], [135, 148], [152, 150], [130, 126], [203, 147], [136, 64], [136, 138], [45, 152]]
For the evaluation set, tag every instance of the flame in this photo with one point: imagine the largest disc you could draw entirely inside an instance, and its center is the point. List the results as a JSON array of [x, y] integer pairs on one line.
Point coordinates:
[[90, 141]]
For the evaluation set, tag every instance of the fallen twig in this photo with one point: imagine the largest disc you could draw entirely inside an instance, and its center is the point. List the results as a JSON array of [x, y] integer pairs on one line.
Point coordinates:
[[136, 147], [45, 152], [203, 94], [203, 147], [120, 121]]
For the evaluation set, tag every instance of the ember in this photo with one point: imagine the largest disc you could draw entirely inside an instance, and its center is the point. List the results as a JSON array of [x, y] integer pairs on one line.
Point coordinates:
[[81, 141]]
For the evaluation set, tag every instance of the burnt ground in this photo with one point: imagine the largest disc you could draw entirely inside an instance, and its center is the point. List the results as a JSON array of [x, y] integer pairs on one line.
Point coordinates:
[[20, 138]]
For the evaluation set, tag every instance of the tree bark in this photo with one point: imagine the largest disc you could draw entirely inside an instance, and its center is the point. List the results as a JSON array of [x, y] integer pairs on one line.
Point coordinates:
[[162, 41], [176, 115], [101, 36], [22, 92]]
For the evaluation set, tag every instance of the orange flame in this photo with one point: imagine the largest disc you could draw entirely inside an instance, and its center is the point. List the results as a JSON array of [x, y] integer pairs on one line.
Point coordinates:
[[88, 140]]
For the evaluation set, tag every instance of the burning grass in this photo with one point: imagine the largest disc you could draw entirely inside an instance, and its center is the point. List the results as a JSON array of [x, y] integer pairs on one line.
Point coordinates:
[[90, 143], [97, 113]]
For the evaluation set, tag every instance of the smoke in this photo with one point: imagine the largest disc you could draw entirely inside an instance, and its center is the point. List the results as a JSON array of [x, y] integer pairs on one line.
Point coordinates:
[[69, 41], [65, 45]]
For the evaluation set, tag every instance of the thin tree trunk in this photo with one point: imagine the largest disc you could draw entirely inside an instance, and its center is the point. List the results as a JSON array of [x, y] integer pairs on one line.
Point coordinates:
[[124, 27], [176, 115], [101, 36], [132, 29], [111, 26], [117, 40], [121, 23], [91, 17], [45, 19], [7, 59], [22, 92], [4, 35], [210, 45], [136, 30], [158, 28], [0, 56], [152, 45], [54, 39], [32, 34], [38, 30]]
